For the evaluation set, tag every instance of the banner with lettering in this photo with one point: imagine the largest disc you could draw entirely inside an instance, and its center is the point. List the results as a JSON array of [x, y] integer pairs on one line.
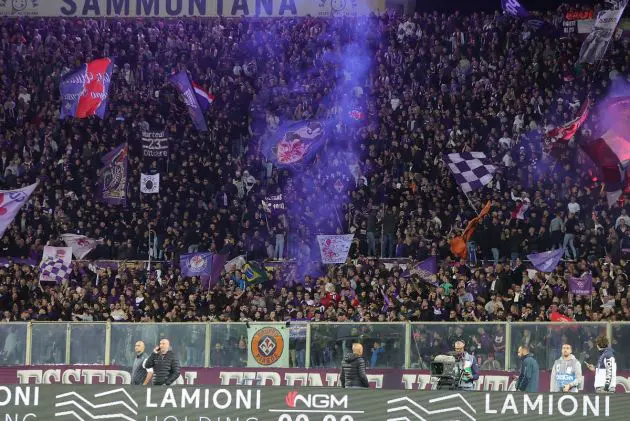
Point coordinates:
[[155, 144], [85, 91], [188, 8], [113, 177], [268, 345], [334, 248]]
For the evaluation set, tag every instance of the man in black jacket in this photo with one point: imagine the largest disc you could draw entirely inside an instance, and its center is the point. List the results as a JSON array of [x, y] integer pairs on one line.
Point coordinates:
[[353, 369], [165, 365]]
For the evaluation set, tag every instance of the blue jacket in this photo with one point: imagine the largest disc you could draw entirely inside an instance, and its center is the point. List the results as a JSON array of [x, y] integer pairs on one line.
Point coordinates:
[[528, 379]]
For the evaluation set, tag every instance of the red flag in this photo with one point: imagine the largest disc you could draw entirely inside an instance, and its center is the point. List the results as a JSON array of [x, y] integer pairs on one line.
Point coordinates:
[[568, 130]]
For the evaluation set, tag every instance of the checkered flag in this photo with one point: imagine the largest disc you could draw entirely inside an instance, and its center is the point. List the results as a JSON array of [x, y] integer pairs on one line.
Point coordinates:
[[53, 270], [472, 170]]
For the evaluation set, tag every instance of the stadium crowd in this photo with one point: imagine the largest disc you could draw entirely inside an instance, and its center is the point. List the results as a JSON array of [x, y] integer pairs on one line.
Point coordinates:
[[439, 83]]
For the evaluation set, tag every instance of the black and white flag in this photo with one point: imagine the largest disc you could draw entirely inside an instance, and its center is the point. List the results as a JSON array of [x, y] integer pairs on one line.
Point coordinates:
[[273, 204], [595, 45], [155, 144], [472, 170], [150, 183]]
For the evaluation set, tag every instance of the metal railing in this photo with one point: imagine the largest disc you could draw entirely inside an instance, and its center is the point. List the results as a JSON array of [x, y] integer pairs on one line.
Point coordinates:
[[311, 345]]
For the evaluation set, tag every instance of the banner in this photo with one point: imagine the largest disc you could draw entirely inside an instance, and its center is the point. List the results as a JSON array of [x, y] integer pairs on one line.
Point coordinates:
[[382, 378], [426, 270], [268, 346], [596, 43], [334, 248], [546, 261], [514, 8], [582, 285], [113, 177], [273, 204], [196, 264], [155, 144], [56, 264], [85, 91], [293, 143], [80, 244], [188, 8], [184, 87], [11, 201], [149, 183]]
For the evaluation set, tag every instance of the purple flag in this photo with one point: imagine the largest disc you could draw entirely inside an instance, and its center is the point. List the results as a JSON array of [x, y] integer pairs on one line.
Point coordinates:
[[183, 85], [581, 286], [218, 265], [113, 177], [196, 264], [11, 201], [85, 91], [426, 270], [546, 261], [514, 8]]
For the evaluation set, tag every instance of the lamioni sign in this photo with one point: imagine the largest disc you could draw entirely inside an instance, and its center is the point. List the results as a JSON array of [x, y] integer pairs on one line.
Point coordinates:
[[127, 403]]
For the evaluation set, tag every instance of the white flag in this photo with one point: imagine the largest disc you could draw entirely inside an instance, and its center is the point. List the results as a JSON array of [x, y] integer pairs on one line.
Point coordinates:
[[80, 244], [56, 264], [150, 183], [235, 264], [11, 201], [595, 45], [334, 248]]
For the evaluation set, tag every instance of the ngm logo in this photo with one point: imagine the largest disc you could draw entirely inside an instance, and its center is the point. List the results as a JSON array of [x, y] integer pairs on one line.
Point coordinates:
[[316, 401]]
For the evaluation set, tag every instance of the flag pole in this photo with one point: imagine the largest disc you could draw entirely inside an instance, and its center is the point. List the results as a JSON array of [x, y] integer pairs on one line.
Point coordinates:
[[471, 204]]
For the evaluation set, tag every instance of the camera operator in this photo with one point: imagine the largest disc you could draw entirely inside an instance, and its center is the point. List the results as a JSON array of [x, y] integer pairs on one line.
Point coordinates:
[[466, 366]]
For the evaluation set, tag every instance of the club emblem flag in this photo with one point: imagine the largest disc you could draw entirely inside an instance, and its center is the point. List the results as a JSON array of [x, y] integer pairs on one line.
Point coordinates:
[[334, 248], [268, 346], [80, 244], [11, 201], [150, 183], [56, 264], [472, 170]]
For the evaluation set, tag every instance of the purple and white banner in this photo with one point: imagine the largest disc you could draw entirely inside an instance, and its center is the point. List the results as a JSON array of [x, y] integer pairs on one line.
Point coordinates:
[[80, 244], [546, 261], [582, 285], [273, 204], [56, 264], [334, 248], [514, 8], [11, 201], [113, 177], [183, 85]]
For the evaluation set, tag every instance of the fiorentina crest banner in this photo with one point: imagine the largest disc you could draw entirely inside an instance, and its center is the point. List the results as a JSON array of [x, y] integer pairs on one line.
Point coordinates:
[[85, 91], [294, 143], [184, 87], [334, 248], [268, 346], [11, 201], [113, 177], [581, 286], [80, 244], [196, 264], [155, 144]]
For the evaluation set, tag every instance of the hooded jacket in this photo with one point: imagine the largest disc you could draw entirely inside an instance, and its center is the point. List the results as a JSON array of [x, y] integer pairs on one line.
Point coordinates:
[[353, 372], [566, 372], [528, 379]]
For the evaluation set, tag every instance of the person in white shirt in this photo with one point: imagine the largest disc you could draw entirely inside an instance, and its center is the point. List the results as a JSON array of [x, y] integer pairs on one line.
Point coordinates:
[[624, 216], [573, 206]]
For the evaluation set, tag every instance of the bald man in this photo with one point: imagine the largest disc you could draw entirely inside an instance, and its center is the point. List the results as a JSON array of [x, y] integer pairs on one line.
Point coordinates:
[[165, 365], [140, 375], [353, 369]]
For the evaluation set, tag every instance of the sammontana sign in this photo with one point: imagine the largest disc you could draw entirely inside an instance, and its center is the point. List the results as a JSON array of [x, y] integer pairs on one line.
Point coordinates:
[[379, 378], [182, 8], [64, 403]]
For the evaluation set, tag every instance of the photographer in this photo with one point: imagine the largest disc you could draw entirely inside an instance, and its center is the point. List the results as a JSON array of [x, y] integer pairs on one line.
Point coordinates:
[[466, 366], [165, 365]]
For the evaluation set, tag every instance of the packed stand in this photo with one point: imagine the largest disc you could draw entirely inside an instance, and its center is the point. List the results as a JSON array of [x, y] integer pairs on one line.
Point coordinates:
[[440, 83]]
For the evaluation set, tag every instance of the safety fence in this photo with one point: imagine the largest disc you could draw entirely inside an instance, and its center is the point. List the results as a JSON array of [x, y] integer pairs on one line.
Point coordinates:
[[307, 345], [76, 402]]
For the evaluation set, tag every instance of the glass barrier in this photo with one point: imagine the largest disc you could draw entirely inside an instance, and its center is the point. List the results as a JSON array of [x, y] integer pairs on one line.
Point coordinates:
[[87, 343], [188, 341], [13, 343], [229, 341], [545, 341], [48, 343], [486, 341], [383, 344], [621, 345]]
